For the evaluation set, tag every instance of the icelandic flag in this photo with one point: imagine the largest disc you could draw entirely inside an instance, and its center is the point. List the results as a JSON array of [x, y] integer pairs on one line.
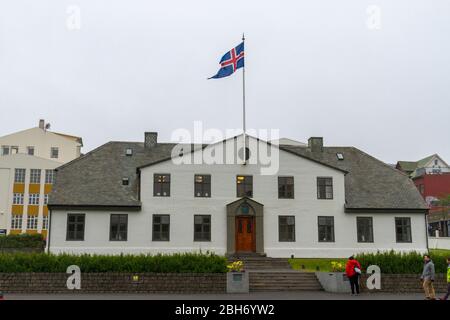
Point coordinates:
[[230, 62]]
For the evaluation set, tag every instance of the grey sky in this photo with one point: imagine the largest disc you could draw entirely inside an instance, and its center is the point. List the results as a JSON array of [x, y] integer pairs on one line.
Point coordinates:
[[313, 68]]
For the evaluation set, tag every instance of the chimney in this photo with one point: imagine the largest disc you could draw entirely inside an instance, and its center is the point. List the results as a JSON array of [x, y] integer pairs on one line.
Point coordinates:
[[315, 144], [151, 139], [42, 124]]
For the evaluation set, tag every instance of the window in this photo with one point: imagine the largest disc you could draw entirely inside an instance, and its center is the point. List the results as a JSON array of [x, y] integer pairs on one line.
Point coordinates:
[[5, 150], [129, 152], [326, 229], [14, 150], [161, 185], [421, 188], [32, 222], [286, 187], [340, 156], [19, 176], [49, 176], [118, 227], [364, 228], [125, 181], [16, 222], [54, 153], [202, 228], [161, 227], [244, 185], [286, 228], [45, 223], [46, 199], [35, 176], [33, 199], [75, 227], [30, 151], [324, 188], [202, 185], [403, 229], [18, 198]]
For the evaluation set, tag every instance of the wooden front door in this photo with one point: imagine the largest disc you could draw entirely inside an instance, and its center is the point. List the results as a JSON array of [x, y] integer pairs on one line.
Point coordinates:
[[245, 234]]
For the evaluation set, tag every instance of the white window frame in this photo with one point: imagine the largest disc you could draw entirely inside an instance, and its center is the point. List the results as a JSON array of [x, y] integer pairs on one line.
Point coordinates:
[[32, 222], [22, 175], [18, 198], [51, 152], [46, 199], [31, 148], [33, 199], [49, 173], [34, 177], [16, 222], [3, 148], [45, 222]]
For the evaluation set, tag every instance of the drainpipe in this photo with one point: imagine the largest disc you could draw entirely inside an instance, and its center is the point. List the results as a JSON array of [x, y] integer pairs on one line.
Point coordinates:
[[49, 229]]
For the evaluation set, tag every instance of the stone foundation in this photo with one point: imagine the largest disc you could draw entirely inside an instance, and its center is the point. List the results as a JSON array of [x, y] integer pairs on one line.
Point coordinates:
[[114, 283]]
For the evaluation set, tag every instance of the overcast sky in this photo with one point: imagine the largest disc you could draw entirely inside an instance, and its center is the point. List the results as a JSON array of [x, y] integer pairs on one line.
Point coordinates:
[[313, 68]]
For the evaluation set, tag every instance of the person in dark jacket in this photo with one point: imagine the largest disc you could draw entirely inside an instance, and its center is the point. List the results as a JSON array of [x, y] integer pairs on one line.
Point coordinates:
[[353, 271], [428, 278]]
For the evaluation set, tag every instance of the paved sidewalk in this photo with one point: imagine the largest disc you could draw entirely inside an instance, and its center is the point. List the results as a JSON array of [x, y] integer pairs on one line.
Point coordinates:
[[315, 295]]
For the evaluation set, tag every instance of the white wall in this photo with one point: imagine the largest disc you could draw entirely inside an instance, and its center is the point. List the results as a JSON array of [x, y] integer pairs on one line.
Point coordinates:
[[182, 206], [439, 243], [43, 141], [4, 196]]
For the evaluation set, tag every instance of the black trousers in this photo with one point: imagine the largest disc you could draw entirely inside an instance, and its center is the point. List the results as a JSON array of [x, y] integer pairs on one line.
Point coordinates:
[[354, 283]]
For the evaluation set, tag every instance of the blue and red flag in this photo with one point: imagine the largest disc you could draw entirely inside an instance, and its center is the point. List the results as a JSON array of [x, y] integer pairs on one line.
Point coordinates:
[[230, 62]]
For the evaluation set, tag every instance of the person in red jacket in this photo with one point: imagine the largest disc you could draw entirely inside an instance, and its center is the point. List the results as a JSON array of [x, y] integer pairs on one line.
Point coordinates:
[[353, 271]]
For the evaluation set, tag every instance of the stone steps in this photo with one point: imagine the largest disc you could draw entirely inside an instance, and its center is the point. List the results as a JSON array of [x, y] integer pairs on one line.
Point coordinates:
[[283, 281]]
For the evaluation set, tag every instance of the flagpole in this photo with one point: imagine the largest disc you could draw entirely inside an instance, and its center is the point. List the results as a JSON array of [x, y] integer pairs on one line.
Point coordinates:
[[243, 106]]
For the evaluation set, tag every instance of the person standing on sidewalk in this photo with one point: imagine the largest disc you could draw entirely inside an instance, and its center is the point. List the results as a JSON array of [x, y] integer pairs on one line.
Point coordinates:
[[428, 278], [353, 271], [448, 280]]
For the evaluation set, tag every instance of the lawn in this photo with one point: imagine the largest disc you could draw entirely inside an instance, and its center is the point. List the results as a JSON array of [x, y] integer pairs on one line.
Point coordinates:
[[324, 264], [441, 252], [311, 264]]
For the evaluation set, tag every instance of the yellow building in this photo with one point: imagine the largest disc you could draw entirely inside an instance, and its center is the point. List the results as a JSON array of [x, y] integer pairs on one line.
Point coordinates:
[[27, 162]]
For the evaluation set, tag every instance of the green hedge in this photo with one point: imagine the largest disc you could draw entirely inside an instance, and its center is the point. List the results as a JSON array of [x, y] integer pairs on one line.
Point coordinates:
[[176, 263], [392, 262], [24, 240]]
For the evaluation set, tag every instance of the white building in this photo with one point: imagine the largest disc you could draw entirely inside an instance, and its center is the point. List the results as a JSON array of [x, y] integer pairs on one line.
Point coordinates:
[[127, 197], [27, 162]]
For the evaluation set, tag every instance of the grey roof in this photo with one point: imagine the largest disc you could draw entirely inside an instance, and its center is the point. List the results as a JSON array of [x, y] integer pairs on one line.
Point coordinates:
[[369, 183], [95, 179]]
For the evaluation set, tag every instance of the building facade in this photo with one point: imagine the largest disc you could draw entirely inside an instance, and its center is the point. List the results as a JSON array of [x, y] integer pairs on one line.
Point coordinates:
[[321, 202], [431, 176], [27, 162]]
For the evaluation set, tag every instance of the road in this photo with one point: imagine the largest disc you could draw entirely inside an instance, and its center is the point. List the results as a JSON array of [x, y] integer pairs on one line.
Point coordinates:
[[316, 295]]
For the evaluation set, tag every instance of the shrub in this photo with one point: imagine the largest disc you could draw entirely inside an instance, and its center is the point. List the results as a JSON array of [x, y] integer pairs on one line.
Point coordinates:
[[393, 262], [17, 241], [176, 263]]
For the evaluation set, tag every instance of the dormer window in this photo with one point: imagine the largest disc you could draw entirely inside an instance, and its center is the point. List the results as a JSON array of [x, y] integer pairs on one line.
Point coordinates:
[[129, 152], [340, 156], [125, 181]]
